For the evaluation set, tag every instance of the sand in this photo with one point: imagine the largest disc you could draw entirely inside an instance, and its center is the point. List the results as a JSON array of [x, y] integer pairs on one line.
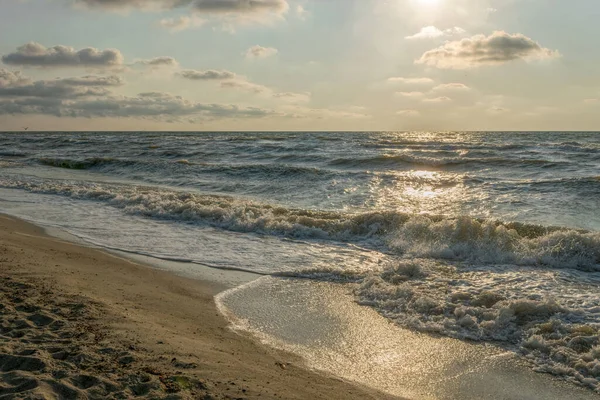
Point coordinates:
[[77, 322]]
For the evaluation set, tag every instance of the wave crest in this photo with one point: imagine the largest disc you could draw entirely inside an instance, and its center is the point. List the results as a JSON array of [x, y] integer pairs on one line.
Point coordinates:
[[463, 238]]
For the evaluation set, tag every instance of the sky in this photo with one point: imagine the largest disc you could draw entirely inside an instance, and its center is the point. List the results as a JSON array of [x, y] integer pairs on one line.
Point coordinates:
[[283, 65]]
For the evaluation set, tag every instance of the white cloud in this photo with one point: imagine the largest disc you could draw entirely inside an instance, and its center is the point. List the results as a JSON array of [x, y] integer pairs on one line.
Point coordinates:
[[430, 32], [291, 97], [411, 81], [260, 52], [497, 110], [301, 12], [480, 50], [181, 23], [451, 87], [408, 113], [442, 99], [324, 113], [410, 94], [245, 85]]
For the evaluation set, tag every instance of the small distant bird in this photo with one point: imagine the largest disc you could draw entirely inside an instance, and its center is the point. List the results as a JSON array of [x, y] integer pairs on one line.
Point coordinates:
[[25, 128]]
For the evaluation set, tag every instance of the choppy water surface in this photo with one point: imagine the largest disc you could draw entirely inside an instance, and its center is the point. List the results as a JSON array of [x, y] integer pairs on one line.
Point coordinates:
[[487, 236]]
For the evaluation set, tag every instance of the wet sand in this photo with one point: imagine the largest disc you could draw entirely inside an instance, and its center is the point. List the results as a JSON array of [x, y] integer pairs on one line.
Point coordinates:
[[322, 322], [77, 322]]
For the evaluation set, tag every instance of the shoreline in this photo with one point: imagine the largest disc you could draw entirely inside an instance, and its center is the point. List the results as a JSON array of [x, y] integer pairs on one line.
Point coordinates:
[[161, 333]]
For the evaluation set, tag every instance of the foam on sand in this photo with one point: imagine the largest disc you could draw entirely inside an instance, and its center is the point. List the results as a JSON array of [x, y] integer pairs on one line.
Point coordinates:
[[543, 315]]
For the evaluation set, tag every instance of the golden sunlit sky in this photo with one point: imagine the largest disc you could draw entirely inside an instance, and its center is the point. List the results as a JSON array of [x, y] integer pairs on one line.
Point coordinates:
[[299, 65]]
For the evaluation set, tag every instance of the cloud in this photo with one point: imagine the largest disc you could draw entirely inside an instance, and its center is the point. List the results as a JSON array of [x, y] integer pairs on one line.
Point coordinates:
[[36, 55], [157, 105], [442, 99], [148, 5], [8, 78], [14, 84], [411, 81], [51, 90], [324, 113], [89, 96], [94, 80], [480, 50], [408, 113], [260, 52], [301, 12], [228, 11], [240, 6], [207, 75], [410, 94], [291, 97], [181, 23], [245, 85], [451, 87], [165, 107], [162, 61], [431, 32], [586, 101], [230, 80]]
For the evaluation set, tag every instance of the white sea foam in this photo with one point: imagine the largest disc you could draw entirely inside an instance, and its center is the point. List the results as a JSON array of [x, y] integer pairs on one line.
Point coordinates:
[[552, 320], [463, 238]]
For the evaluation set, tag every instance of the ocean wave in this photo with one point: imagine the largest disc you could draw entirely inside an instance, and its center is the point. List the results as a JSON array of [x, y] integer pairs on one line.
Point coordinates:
[[553, 325], [408, 159], [270, 171], [15, 154], [439, 237], [86, 163]]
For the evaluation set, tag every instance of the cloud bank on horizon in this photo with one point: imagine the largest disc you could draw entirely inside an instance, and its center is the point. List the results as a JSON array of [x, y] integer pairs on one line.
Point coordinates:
[[296, 64]]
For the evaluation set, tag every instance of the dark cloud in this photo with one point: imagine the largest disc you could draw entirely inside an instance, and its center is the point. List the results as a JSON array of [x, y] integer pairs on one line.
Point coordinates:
[[206, 6], [14, 84], [88, 96], [227, 12], [480, 50], [50, 89], [205, 75], [149, 105], [94, 80], [241, 6], [44, 106], [36, 55], [139, 4], [159, 62]]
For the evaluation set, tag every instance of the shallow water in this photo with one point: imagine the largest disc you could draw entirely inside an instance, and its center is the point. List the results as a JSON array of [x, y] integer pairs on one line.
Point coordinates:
[[320, 321], [493, 237]]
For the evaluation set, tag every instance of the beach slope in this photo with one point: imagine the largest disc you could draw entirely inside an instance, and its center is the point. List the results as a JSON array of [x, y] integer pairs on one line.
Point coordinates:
[[77, 323]]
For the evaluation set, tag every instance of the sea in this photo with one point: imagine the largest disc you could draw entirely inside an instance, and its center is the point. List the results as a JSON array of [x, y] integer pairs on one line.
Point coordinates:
[[492, 237]]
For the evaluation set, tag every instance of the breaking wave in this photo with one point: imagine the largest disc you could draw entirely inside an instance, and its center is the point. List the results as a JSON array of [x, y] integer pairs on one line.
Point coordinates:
[[440, 237], [555, 326]]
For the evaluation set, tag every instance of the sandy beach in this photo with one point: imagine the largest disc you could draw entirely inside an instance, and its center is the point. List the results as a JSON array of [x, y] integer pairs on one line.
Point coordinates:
[[82, 323]]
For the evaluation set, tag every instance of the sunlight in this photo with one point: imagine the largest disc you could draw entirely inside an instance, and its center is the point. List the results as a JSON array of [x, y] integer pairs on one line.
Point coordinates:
[[429, 2]]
